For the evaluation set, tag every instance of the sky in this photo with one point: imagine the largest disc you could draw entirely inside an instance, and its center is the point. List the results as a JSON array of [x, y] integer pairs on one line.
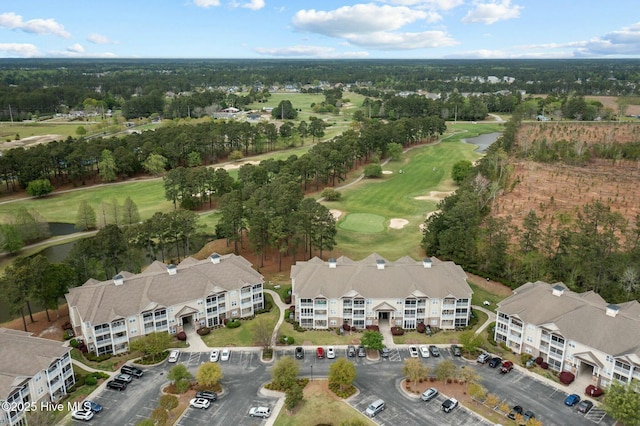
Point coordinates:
[[314, 29]]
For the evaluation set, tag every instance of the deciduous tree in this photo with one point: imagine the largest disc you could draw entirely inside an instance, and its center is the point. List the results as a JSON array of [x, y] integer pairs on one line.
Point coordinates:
[[342, 372], [372, 340], [85, 217], [414, 370], [152, 345], [445, 370], [622, 402], [39, 188], [209, 374], [284, 372]]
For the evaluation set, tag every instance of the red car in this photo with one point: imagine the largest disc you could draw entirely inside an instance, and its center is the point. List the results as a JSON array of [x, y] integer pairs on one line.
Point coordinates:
[[506, 367], [320, 352]]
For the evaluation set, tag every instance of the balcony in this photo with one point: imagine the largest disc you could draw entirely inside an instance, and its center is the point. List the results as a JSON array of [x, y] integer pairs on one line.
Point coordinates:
[[104, 342], [119, 329], [120, 339], [306, 304], [545, 338], [451, 306], [516, 327], [161, 317]]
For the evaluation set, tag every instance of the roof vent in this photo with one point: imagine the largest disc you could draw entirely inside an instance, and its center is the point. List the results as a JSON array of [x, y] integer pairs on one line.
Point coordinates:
[[332, 263], [172, 269], [215, 258], [612, 310], [118, 280], [557, 290], [380, 263], [426, 263]]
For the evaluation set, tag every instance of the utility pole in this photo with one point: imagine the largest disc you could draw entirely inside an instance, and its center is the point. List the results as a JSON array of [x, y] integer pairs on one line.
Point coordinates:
[[11, 114]]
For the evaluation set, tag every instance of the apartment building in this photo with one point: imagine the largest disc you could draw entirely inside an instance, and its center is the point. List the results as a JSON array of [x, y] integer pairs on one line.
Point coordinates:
[[576, 332], [32, 370], [374, 291], [195, 293]]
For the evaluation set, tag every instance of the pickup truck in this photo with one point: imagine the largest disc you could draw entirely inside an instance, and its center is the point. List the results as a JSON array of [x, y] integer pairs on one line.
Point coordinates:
[[506, 367]]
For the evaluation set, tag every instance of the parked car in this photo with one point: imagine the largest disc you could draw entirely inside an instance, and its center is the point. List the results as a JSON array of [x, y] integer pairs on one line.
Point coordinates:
[[85, 415], [93, 406], [320, 353], [571, 400], [429, 394], [361, 351], [528, 415], [374, 408], [384, 352], [225, 354], [123, 378], [115, 385], [413, 351], [214, 355], [495, 362], [517, 409], [455, 350], [351, 351], [483, 357], [132, 371], [331, 352], [433, 349], [263, 412], [449, 405], [201, 403], [211, 396], [174, 355], [424, 351], [585, 406], [299, 352], [506, 367]]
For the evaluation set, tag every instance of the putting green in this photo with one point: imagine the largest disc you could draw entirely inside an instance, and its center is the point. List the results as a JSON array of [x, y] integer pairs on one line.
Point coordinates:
[[363, 222]]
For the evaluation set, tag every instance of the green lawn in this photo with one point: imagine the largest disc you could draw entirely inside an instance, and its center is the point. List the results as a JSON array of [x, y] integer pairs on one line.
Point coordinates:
[[441, 337], [243, 335], [318, 337], [363, 222], [480, 295]]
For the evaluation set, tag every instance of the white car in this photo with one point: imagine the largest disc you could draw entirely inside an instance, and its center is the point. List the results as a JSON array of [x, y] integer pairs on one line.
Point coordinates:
[[201, 403], [174, 355], [225, 354], [424, 351], [214, 355], [85, 415], [331, 352], [123, 378], [263, 412], [413, 351]]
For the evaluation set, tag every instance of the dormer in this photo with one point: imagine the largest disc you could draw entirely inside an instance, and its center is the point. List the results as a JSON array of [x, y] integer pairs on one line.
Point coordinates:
[[215, 258], [118, 280], [612, 310], [380, 263], [557, 290], [427, 263], [332, 263], [172, 269]]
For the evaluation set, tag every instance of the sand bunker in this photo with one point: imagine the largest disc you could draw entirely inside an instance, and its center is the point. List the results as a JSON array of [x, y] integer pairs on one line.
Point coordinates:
[[398, 223], [335, 213], [31, 141], [387, 172], [238, 165], [434, 196]]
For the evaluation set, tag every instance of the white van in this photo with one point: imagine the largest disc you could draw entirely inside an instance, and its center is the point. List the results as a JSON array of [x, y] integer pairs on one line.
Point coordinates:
[[374, 408], [174, 355]]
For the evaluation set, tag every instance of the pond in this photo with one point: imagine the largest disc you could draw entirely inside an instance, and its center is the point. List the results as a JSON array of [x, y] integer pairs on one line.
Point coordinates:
[[483, 141]]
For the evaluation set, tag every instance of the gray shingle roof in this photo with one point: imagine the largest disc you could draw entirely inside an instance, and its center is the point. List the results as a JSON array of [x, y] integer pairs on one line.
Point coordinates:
[[578, 316], [22, 356], [398, 279], [101, 302]]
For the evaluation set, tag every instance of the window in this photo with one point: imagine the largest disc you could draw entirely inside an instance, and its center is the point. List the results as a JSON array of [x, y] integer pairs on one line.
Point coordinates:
[[234, 303], [399, 302], [132, 319], [435, 301], [199, 302], [369, 301], [333, 312], [333, 301], [333, 322], [133, 331]]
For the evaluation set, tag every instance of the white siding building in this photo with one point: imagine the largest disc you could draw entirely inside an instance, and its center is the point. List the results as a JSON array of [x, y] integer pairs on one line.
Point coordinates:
[[576, 332], [195, 293], [32, 370], [374, 291]]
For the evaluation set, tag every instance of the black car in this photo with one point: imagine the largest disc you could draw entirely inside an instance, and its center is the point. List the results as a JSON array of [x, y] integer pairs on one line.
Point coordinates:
[[495, 362], [116, 385], [361, 351], [514, 411], [434, 350], [384, 352], [211, 396], [132, 371], [351, 351], [585, 406], [455, 350], [299, 352]]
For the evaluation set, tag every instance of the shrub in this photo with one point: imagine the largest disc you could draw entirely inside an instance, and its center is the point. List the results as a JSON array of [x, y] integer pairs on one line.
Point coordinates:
[[287, 340], [267, 308], [346, 391], [539, 360], [182, 336], [287, 300], [330, 194], [373, 170], [420, 327], [544, 365], [67, 326], [203, 331], [373, 328], [68, 334], [593, 391], [233, 323], [90, 381], [397, 331], [79, 380], [566, 377], [95, 358], [74, 343], [346, 327], [82, 347]]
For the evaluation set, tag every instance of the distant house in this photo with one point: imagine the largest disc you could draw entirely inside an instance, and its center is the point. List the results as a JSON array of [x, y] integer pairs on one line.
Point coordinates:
[[230, 110], [195, 293], [32, 370], [576, 332], [374, 291]]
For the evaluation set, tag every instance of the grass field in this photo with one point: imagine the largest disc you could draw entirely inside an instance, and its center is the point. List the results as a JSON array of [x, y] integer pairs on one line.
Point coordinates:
[[363, 222]]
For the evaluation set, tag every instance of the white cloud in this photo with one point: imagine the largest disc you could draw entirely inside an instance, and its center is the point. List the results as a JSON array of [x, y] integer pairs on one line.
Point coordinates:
[[357, 19], [402, 41], [253, 4], [504, 54], [35, 26], [206, 3], [429, 4], [615, 43], [98, 38], [308, 51], [75, 48], [72, 54], [22, 50], [492, 12]]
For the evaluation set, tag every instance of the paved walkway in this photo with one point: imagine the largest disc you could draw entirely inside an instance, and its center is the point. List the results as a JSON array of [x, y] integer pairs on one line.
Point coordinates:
[[283, 310], [492, 318], [194, 341]]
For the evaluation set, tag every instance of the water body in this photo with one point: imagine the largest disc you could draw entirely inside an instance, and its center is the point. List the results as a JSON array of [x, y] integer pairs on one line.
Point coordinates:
[[61, 228], [57, 253], [483, 141]]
